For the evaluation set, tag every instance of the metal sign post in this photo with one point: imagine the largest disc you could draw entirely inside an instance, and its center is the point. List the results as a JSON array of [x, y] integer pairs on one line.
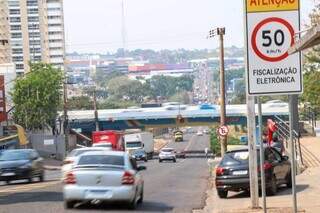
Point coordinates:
[[293, 157], [262, 174], [253, 168]]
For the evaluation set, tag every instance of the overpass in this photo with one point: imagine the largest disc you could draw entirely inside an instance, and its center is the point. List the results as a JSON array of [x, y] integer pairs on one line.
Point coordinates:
[[160, 117]]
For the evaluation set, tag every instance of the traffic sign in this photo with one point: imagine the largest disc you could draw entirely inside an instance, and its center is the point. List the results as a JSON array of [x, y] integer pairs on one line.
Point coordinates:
[[271, 31], [223, 130]]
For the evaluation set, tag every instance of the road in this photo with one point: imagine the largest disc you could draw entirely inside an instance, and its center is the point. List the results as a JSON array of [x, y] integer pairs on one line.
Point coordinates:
[[169, 187]]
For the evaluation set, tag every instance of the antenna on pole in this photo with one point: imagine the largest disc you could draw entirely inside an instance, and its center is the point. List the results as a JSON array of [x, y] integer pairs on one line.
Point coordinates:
[[124, 33]]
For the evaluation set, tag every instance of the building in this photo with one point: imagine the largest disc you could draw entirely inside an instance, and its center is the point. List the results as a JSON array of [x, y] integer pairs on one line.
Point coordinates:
[[9, 73], [36, 32], [56, 32], [5, 51]]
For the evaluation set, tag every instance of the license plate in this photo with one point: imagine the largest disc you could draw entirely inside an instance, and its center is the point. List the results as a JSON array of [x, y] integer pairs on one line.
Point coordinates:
[[240, 172], [96, 194], [6, 174], [98, 191]]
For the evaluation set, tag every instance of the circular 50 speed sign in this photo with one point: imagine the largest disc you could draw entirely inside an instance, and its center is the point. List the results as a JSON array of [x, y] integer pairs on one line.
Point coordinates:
[[271, 39]]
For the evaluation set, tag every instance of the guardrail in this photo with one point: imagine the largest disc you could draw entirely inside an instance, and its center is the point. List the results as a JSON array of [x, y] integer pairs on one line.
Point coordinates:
[[284, 134]]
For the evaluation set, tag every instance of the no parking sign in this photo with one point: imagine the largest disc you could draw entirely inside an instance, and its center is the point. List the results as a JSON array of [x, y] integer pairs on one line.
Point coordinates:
[[272, 26]]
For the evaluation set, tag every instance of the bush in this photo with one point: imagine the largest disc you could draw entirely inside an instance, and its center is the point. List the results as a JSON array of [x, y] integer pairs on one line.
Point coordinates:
[[215, 144]]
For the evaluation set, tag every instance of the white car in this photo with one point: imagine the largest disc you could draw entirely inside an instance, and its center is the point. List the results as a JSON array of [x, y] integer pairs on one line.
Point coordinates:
[[103, 145], [167, 154], [74, 154], [199, 133], [107, 176]]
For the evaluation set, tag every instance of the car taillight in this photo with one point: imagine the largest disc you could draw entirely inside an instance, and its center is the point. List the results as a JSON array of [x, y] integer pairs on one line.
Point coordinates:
[[266, 166], [67, 162], [219, 171], [70, 178], [127, 178]]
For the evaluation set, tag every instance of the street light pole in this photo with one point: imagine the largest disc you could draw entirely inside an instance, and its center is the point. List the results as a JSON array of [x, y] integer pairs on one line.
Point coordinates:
[[221, 32]]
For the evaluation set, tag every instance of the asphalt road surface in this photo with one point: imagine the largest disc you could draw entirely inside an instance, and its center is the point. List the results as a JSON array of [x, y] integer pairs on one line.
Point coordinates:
[[169, 187]]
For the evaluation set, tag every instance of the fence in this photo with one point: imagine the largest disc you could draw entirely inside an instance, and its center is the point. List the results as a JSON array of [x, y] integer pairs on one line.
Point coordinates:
[[51, 145]]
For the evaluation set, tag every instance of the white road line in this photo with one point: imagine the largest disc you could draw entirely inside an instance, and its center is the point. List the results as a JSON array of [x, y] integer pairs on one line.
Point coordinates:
[[190, 143]]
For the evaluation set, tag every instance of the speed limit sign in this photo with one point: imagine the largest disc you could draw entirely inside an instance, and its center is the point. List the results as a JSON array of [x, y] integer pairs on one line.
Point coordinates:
[[272, 27]]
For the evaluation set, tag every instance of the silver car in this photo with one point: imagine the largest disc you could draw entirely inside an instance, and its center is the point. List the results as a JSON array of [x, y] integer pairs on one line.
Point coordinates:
[[167, 154], [104, 176]]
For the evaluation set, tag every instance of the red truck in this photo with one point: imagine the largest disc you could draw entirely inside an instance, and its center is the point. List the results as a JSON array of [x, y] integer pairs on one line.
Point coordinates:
[[115, 138]]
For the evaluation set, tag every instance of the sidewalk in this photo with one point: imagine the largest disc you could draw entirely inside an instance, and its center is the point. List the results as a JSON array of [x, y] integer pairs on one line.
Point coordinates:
[[308, 192]]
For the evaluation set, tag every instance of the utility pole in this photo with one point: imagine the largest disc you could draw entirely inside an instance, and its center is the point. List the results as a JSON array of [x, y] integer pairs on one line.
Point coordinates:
[[223, 139], [65, 113], [221, 33]]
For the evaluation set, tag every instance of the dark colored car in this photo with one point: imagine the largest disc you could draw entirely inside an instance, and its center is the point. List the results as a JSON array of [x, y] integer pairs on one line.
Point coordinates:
[[18, 164], [140, 154], [232, 173], [181, 154]]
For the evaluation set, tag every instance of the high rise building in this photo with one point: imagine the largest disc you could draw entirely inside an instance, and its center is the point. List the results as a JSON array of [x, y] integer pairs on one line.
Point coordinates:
[[56, 32], [36, 32], [5, 51]]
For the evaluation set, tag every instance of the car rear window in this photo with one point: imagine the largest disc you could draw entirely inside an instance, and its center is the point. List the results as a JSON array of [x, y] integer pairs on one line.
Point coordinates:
[[101, 160], [78, 152], [237, 157]]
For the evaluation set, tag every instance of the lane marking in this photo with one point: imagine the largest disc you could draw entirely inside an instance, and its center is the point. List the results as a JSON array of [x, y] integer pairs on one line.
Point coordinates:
[[190, 143], [28, 187]]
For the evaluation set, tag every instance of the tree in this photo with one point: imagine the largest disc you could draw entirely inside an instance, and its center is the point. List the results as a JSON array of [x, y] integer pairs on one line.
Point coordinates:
[[36, 97], [80, 103], [239, 96], [312, 68], [182, 97], [125, 89], [167, 86]]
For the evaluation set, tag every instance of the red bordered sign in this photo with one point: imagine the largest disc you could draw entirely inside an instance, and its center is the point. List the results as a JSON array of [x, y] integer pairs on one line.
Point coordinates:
[[223, 130]]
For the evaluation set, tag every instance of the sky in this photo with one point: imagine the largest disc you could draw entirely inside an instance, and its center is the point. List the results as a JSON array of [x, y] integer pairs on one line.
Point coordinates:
[[95, 26]]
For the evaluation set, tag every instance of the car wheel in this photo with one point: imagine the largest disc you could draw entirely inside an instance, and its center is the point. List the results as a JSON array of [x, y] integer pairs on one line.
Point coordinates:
[[160, 161], [145, 160], [272, 190], [141, 197], [69, 204], [7, 182], [133, 204], [174, 160], [289, 180], [30, 179], [41, 177], [222, 193]]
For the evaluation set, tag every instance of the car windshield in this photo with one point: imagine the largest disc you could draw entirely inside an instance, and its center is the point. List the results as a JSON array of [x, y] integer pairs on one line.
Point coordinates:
[[139, 152], [167, 150], [134, 144], [107, 145], [110, 160], [12, 155]]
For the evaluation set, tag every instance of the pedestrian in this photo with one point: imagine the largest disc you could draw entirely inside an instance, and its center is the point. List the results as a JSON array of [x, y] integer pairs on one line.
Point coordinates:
[[206, 152]]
